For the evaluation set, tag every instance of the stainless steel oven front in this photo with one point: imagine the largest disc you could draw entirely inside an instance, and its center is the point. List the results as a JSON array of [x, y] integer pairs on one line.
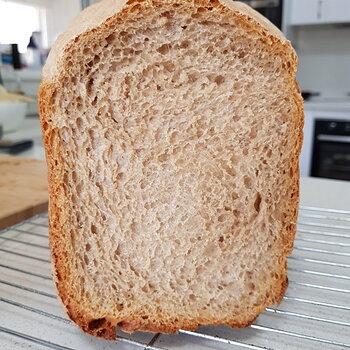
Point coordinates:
[[331, 149], [326, 135]]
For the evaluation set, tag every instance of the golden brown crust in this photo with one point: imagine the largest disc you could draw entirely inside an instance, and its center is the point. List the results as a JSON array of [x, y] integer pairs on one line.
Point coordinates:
[[103, 327]]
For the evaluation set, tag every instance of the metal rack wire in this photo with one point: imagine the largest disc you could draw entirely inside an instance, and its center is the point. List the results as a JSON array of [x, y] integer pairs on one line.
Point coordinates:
[[314, 314]]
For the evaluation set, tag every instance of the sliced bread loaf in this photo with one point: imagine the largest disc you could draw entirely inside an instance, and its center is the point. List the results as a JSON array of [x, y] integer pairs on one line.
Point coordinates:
[[172, 133]]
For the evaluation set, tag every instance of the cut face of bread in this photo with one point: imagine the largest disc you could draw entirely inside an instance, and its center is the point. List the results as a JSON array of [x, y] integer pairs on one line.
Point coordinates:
[[172, 131]]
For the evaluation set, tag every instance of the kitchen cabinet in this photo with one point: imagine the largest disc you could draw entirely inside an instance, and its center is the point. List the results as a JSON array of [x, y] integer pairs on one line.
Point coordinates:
[[319, 11], [336, 11], [305, 12]]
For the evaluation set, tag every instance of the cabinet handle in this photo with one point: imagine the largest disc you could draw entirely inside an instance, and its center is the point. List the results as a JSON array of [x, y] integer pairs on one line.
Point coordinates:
[[319, 9]]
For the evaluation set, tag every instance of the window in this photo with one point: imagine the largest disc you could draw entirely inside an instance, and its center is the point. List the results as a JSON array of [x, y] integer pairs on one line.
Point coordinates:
[[18, 22]]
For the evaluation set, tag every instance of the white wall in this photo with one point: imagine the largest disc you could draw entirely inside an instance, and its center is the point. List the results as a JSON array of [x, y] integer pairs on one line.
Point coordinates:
[[59, 15], [324, 58]]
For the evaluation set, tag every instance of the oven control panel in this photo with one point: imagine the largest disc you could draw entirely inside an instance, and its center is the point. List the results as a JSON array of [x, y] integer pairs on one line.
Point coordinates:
[[338, 127]]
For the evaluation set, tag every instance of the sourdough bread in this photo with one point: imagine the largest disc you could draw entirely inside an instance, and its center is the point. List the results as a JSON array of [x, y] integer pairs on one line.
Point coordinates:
[[172, 133]]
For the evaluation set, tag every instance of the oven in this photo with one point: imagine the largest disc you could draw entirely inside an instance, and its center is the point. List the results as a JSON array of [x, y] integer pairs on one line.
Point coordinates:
[[326, 146], [331, 149]]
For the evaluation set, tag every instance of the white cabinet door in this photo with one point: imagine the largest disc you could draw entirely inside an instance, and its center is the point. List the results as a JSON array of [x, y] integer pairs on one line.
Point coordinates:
[[336, 11], [306, 12]]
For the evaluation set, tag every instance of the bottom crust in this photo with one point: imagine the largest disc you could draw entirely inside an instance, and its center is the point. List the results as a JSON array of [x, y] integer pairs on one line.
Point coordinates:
[[106, 328]]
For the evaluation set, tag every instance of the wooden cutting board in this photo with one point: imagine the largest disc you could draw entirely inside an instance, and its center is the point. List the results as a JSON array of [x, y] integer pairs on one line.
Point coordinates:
[[23, 189]]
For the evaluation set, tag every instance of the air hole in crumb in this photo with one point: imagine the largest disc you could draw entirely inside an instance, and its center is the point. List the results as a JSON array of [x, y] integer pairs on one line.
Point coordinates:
[[79, 123], [231, 172], [97, 59], [89, 85], [164, 49], [96, 324], [234, 159], [93, 229], [88, 247], [257, 202], [169, 66], [222, 218], [221, 239], [167, 14], [120, 176], [248, 182], [192, 77], [45, 126], [185, 44], [241, 54], [219, 79], [110, 38], [87, 51], [135, 8], [86, 259], [163, 157]]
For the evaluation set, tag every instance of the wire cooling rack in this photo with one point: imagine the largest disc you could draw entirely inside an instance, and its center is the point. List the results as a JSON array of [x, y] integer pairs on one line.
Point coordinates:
[[314, 314]]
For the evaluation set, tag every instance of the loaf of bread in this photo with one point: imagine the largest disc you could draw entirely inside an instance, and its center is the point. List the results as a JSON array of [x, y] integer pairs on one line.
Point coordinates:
[[172, 131]]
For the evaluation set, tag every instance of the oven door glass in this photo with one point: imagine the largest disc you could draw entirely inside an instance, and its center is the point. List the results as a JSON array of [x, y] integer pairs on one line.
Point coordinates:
[[332, 160]]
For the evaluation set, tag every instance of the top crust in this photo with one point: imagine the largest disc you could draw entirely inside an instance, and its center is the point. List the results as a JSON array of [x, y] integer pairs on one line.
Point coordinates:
[[95, 15]]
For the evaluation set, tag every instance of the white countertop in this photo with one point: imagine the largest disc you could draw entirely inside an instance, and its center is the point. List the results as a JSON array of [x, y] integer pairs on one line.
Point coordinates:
[[325, 193]]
